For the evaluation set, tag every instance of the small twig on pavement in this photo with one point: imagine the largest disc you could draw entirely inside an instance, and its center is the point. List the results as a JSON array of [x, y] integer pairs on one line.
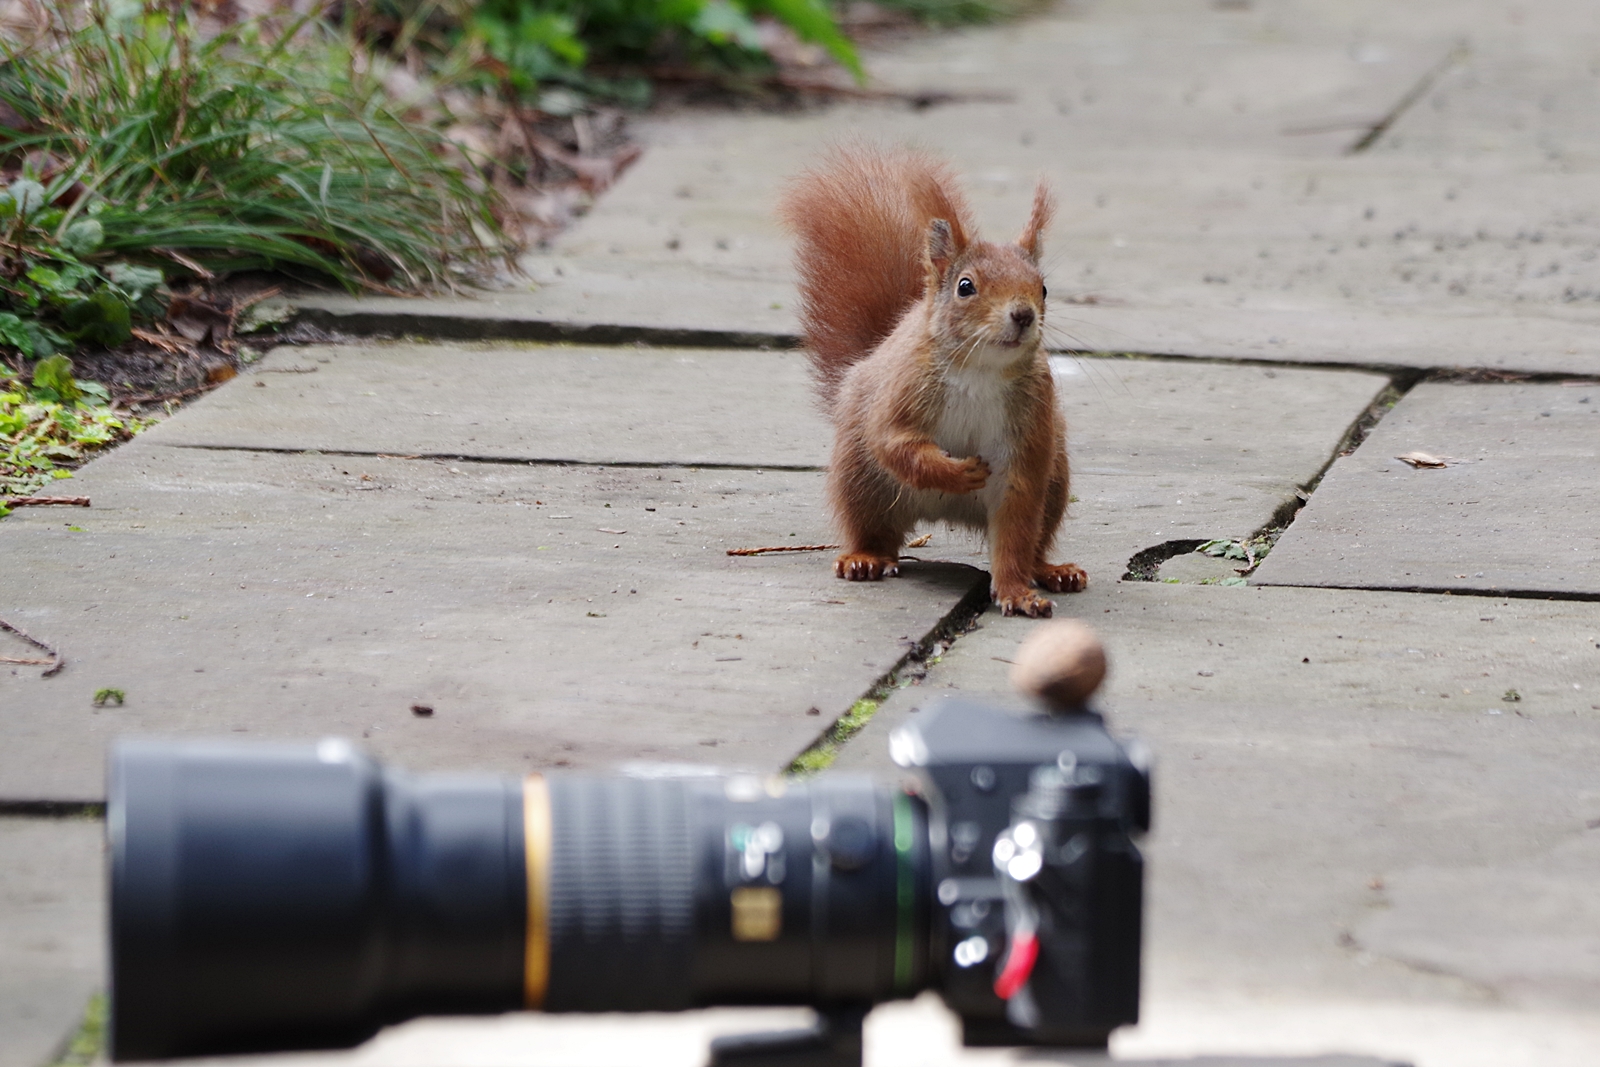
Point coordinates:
[[918, 543], [779, 548], [57, 661], [45, 501]]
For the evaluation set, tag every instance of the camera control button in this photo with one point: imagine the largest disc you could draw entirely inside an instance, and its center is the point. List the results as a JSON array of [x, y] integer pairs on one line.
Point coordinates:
[[971, 952], [851, 843]]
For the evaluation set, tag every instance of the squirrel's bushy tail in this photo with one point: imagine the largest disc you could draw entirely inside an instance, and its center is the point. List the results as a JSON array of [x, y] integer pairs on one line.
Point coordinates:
[[861, 219]]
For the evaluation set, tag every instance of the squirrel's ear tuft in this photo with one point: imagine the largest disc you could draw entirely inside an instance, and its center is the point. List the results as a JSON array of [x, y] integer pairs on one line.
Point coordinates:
[[942, 250], [1044, 206]]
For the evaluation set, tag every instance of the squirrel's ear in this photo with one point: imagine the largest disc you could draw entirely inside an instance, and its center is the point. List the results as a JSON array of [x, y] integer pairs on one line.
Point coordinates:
[[942, 251], [1044, 206]]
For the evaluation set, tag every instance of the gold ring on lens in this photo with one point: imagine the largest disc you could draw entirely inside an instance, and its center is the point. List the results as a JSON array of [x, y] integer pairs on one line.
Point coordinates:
[[536, 851]]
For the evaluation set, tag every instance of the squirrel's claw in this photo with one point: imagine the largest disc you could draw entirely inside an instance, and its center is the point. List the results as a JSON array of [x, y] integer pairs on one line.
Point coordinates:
[[965, 475], [975, 474], [1062, 578], [864, 567], [1024, 602]]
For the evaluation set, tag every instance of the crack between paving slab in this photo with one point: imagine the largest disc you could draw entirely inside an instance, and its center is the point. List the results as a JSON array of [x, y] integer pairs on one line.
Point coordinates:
[[1444, 372], [461, 457], [53, 809], [1452, 590], [958, 620], [1483, 989], [1409, 99], [1145, 565], [447, 327], [444, 327], [85, 1043]]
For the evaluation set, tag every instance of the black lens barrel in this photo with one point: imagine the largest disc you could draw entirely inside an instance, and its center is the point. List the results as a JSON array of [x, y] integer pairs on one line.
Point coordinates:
[[279, 896], [273, 896]]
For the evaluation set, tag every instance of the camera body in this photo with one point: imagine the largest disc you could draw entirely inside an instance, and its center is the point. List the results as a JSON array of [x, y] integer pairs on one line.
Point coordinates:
[[270, 896], [1078, 798]]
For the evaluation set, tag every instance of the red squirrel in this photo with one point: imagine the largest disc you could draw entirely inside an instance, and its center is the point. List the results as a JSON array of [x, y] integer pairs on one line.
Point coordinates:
[[926, 344]]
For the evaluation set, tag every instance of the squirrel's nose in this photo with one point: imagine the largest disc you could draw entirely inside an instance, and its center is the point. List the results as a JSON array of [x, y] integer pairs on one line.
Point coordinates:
[[1023, 317]]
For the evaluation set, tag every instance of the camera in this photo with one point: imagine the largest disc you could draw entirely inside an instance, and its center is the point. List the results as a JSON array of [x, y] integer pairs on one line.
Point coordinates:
[[269, 896]]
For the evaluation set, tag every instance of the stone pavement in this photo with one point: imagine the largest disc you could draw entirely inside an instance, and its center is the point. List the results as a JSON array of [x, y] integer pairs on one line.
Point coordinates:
[[1376, 797]]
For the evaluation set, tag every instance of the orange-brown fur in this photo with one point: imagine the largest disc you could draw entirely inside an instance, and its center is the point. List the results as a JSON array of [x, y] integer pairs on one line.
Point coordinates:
[[923, 377]]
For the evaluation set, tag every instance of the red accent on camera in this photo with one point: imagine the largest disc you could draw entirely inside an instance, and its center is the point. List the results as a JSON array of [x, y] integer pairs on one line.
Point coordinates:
[[1018, 966]]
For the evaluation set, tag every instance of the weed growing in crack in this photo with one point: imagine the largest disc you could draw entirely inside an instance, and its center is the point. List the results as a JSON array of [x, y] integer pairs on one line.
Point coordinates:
[[88, 1043], [912, 668], [1250, 551], [819, 756]]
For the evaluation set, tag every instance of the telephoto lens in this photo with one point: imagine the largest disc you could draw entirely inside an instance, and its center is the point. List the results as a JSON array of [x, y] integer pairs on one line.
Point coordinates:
[[276, 896], [273, 896]]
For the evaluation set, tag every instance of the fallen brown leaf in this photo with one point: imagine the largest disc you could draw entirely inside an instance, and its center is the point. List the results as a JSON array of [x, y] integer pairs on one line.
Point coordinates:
[[1423, 459], [199, 320]]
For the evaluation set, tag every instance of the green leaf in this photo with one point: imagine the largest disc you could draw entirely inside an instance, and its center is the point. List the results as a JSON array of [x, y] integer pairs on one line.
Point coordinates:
[[812, 20], [95, 390], [53, 375], [83, 237], [15, 333], [101, 319], [721, 22], [49, 279], [137, 282], [27, 195]]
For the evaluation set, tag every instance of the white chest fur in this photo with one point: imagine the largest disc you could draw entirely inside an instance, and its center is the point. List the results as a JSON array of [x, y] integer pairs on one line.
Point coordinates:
[[974, 422]]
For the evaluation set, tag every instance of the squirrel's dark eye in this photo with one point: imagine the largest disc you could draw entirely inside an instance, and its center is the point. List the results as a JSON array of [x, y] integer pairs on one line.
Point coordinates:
[[1044, 292], [965, 288]]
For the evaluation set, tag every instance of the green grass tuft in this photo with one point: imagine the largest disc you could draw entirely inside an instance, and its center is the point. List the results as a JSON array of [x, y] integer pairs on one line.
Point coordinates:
[[958, 12], [821, 755], [249, 149], [89, 1042]]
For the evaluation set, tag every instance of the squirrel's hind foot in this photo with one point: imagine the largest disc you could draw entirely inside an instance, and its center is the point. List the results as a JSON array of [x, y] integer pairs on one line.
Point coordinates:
[[865, 567], [1024, 602], [1062, 578]]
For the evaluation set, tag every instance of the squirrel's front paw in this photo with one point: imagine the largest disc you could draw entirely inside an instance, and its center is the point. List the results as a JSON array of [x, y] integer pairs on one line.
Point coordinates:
[[967, 475], [865, 567], [1062, 578], [1023, 602]]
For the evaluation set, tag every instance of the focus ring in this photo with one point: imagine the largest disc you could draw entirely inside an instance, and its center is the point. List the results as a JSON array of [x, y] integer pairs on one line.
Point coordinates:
[[621, 904]]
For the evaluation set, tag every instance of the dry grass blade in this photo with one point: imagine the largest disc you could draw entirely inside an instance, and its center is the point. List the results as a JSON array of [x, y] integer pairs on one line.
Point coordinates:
[[56, 661]]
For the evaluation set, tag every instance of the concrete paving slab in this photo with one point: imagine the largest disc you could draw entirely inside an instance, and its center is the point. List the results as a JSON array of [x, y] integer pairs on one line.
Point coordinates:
[[1515, 510], [550, 403], [590, 302], [1208, 203], [51, 932], [566, 616], [283, 564], [1162, 449], [1174, 450], [1529, 340], [1343, 791]]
